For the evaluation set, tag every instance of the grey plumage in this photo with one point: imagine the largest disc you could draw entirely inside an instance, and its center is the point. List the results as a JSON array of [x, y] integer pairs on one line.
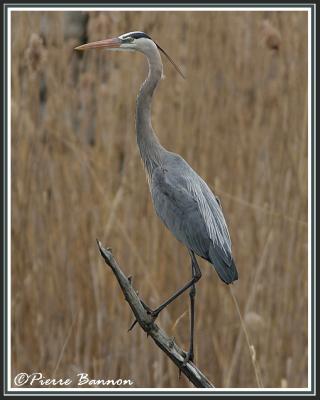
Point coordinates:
[[181, 198], [188, 208]]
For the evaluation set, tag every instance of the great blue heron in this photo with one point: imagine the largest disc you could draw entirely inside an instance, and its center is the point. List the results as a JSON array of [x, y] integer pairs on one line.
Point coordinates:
[[181, 198]]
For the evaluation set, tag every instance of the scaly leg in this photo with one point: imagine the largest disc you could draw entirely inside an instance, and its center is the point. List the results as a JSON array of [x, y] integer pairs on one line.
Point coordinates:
[[192, 294], [196, 275]]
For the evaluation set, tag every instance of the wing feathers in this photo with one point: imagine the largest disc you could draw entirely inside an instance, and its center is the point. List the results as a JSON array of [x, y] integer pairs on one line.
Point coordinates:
[[190, 210]]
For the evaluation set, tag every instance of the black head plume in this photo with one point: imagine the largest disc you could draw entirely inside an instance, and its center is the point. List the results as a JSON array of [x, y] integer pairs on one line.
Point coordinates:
[[171, 60], [140, 35]]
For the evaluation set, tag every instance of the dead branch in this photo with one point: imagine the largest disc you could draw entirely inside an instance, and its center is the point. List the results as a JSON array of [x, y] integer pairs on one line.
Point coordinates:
[[145, 320]]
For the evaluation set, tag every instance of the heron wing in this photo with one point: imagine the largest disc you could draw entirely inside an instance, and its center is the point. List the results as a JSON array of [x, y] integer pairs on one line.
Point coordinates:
[[189, 209], [179, 211], [192, 213], [220, 249]]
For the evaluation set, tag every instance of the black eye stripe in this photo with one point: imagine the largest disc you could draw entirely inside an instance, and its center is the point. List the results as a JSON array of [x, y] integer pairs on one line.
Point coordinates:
[[137, 35]]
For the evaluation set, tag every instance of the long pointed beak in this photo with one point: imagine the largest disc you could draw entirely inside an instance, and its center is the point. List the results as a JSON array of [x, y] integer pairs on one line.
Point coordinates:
[[101, 44]]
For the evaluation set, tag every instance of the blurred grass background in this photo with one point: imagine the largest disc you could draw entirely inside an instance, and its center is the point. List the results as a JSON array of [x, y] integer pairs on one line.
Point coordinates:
[[240, 119]]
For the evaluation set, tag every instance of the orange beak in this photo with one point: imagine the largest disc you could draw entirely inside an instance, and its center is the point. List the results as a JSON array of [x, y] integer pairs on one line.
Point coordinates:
[[101, 44]]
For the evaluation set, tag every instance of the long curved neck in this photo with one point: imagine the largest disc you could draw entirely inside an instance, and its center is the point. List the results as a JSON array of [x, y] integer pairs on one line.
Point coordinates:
[[151, 150]]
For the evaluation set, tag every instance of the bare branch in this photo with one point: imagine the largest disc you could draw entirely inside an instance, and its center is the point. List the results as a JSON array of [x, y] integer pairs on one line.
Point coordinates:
[[145, 320]]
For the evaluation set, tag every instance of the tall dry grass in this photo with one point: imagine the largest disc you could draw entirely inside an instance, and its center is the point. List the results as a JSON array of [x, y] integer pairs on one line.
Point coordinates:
[[240, 119]]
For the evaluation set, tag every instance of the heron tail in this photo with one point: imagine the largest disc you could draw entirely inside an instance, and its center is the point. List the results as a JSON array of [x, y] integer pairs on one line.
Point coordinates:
[[226, 270]]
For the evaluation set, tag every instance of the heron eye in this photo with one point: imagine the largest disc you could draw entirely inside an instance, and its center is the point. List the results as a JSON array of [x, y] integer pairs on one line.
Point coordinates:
[[129, 39]]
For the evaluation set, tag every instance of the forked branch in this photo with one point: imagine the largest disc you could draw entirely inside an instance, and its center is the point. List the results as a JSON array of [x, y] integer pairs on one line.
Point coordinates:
[[145, 320]]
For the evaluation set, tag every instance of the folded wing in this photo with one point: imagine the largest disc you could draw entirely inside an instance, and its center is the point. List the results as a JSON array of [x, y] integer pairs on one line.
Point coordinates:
[[191, 212]]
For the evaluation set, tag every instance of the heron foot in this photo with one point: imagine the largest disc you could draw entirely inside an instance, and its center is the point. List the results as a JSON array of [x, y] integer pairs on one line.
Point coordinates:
[[132, 325], [153, 313], [189, 357]]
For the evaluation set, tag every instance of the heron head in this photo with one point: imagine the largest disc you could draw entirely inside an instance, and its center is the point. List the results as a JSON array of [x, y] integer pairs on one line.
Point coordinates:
[[132, 41]]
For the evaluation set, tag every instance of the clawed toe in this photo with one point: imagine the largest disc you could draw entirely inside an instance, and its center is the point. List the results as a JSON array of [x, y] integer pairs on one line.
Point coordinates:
[[189, 357], [153, 313], [132, 325]]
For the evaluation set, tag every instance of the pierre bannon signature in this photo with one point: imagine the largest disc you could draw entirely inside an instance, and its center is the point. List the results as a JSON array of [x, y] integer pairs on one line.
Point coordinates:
[[37, 378]]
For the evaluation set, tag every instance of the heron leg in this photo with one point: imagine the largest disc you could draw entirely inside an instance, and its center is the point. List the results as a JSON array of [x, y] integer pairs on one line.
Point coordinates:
[[192, 294], [196, 275], [190, 354]]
